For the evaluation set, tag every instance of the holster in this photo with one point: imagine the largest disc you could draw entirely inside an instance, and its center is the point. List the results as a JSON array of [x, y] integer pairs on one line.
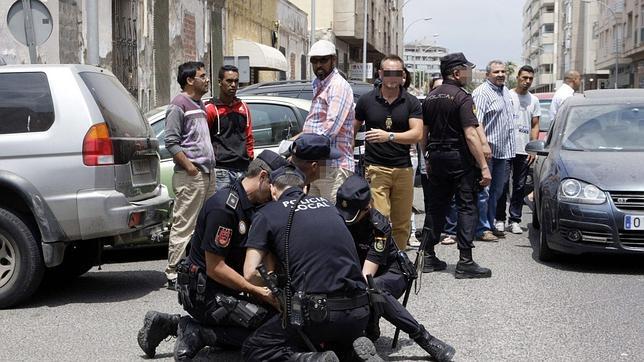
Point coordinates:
[[376, 300], [239, 311], [183, 286], [406, 266]]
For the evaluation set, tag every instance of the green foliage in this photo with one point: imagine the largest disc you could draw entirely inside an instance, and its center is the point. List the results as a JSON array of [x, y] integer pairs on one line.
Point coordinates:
[[510, 78]]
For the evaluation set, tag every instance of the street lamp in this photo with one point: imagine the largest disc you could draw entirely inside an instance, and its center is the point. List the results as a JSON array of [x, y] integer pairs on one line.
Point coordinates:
[[612, 13], [412, 23]]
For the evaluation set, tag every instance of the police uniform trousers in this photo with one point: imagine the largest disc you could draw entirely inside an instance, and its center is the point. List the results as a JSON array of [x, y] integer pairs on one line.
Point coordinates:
[[451, 175], [229, 334], [392, 286], [272, 342]]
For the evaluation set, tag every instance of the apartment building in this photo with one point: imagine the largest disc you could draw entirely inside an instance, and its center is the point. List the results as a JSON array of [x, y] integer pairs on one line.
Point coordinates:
[[423, 61], [539, 50]]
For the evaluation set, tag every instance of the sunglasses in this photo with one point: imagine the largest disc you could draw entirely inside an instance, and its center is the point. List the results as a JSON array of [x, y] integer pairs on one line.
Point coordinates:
[[320, 60], [392, 73]]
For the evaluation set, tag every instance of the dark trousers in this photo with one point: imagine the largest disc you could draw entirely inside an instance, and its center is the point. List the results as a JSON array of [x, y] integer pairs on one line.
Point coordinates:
[[450, 176], [271, 342], [519, 168], [392, 286]]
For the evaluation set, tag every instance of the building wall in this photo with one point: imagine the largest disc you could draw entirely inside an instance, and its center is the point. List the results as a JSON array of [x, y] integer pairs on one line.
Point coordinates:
[[293, 37], [540, 30]]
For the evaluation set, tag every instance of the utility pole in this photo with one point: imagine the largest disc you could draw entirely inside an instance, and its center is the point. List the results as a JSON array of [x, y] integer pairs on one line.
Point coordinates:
[[364, 44]]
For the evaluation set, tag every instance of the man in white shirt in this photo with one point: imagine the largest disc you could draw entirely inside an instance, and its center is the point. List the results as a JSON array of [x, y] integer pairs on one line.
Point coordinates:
[[572, 81], [526, 125]]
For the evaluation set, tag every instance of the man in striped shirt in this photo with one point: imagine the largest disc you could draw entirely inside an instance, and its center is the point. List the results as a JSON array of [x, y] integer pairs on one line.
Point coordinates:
[[331, 115], [495, 112]]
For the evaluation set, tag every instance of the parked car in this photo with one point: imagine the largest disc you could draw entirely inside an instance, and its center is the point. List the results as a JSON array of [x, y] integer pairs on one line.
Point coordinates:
[[274, 119], [589, 193], [298, 89], [79, 170]]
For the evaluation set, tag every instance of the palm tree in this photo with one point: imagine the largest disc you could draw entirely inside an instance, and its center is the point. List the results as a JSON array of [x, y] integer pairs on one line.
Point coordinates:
[[510, 80]]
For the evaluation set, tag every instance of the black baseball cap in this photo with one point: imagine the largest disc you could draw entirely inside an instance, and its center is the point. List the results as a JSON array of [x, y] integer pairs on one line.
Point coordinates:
[[287, 169], [313, 147], [353, 196], [454, 59], [272, 159]]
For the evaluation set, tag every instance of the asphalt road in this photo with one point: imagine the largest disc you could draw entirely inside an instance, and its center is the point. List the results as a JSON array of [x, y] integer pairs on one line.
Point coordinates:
[[578, 309]]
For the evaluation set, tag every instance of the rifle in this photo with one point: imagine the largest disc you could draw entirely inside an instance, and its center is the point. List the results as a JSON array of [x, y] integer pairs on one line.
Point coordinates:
[[416, 274]]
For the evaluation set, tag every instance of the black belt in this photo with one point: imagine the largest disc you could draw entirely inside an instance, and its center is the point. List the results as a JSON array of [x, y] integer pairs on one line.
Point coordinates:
[[345, 303]]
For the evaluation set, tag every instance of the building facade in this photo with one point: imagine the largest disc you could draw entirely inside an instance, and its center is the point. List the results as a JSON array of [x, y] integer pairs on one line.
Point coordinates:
[[423, 61], [539, 23]]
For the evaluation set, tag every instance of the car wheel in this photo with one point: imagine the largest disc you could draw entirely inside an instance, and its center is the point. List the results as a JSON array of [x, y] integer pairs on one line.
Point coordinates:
[[544, 253], [21, 264]]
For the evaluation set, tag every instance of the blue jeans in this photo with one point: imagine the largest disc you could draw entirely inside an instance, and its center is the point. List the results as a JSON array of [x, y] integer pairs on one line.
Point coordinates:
[[451, 219], [519, 167], [225, 177], [489, 197]]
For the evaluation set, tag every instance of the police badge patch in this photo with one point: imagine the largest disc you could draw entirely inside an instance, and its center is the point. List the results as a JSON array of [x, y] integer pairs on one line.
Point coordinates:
[[242, 227], [232, 200], [379, 244], [223, 236]]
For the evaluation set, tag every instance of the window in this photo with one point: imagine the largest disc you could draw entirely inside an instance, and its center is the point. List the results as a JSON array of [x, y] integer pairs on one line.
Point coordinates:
[[25, 103], [548, 28], [272, 123]]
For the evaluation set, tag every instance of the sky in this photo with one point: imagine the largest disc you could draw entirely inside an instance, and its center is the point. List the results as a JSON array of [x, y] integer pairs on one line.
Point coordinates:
[[482, 29]]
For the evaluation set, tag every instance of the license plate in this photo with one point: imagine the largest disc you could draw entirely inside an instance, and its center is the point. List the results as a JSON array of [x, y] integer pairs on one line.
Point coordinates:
[[140, 167], [634, 222]]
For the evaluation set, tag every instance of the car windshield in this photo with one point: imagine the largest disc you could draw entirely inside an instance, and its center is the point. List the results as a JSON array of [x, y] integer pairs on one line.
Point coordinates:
[[605, 128]]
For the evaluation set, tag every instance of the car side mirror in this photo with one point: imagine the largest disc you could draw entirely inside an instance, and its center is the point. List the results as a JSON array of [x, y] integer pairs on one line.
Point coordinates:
[[538, 147]]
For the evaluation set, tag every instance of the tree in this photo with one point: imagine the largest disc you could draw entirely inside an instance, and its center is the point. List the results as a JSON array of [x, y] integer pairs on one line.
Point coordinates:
[[510, 78]]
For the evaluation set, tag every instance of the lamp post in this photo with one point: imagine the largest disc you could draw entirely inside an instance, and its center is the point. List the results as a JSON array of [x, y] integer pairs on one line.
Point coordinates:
[[612, 13], [412, 23]]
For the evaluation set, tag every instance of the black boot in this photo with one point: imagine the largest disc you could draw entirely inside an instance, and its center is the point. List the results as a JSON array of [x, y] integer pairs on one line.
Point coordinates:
[[439, 350], [327, 356], [189, 341], [365, 351], [432, 263], [156, 327], [467, 268]]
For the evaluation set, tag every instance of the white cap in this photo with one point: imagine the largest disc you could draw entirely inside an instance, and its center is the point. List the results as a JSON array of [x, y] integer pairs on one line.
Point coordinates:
[[321, 48]]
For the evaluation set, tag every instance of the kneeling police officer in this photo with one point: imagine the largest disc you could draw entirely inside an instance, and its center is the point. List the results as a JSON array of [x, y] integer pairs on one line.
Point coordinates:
[[210, 280], [381, 258], [325, 301]]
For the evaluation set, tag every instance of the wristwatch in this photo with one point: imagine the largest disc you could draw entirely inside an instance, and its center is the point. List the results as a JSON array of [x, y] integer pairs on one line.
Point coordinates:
[[392, 136]]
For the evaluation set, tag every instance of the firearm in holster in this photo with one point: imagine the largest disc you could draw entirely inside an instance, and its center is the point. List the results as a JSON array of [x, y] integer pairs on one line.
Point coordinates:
[[238, 311], [412, 272]]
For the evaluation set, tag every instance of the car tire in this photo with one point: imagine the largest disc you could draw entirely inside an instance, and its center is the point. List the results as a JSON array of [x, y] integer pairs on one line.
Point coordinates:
[[544, 253], [21, 263], [535, 217]]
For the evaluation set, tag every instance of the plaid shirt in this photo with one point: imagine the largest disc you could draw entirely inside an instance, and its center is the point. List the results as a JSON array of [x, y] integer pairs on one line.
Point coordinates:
[[332, 115]]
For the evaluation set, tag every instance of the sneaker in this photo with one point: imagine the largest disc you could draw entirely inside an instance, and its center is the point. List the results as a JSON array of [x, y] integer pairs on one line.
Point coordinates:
[[365, 351], [500, 226], [488, 236], [515, 228], [413, 242], [448, 240]]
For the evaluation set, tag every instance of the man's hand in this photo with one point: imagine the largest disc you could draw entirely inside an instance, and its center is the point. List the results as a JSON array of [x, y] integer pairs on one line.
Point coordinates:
[[487, 151], [264, 294], [192, 171], [486, 177], [376, 136]]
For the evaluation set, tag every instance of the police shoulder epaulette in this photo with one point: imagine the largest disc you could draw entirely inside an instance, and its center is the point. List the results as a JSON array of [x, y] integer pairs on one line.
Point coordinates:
[[233, 199], [465, 90]]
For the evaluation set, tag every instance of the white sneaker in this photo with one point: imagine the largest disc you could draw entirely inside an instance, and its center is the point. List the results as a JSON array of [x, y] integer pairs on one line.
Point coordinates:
[[515, 228], [500, 226]]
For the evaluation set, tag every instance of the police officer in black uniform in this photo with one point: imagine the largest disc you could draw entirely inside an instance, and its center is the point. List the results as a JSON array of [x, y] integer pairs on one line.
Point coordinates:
[[210, 279], [381, 258], [456, 164], [307, 152], [326, 302]]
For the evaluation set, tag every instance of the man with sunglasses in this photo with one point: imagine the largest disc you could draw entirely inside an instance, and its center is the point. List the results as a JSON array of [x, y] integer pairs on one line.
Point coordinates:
[[393, 120], [331, 115]]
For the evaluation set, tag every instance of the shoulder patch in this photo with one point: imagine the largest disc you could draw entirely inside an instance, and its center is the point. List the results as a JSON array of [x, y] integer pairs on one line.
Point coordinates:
[[223, 236], [232, 200], [379, 244]]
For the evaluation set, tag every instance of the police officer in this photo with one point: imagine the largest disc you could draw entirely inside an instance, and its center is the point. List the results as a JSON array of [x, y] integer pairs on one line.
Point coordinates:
[[380, 257], [308, 152], [210, 279], [319, 258], [456, 164]]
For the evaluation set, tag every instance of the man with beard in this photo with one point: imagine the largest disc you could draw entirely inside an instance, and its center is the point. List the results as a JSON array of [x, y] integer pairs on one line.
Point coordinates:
[[331, 115]]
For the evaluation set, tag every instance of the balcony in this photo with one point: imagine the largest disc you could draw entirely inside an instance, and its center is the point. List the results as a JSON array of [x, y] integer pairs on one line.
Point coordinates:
[[544, 79]]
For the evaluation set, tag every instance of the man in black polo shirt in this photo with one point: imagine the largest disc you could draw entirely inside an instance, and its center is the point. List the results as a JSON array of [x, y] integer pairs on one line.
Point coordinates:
[[393, 120], [456, 164]]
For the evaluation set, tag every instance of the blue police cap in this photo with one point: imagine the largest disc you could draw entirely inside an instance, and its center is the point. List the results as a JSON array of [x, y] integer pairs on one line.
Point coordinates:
[[353, 196], [272, 159], [313, 147], [287, 169]]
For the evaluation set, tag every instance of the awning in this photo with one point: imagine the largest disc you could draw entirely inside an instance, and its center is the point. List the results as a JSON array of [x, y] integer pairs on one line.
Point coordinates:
[[261, 56]]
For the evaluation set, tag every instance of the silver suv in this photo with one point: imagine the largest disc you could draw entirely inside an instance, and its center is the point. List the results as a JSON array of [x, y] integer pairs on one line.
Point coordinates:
[[79, 169]]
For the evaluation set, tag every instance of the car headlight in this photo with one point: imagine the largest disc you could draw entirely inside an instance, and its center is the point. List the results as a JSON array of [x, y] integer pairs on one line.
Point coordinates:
[[571, 190]]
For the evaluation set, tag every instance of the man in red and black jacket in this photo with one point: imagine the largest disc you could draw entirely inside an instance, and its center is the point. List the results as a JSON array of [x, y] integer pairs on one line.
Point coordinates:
[[231, 129]]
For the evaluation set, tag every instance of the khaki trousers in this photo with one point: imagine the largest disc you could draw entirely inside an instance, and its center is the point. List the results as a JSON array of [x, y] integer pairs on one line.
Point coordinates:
[[190, 195], [392, 191], [329, 182]]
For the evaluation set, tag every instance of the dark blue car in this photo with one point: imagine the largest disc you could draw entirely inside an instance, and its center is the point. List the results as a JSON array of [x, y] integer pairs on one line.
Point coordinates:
[[589, 178]]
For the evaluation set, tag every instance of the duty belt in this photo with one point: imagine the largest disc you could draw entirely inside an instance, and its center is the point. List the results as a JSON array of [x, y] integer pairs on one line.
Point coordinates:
[[442, 146], [345, 303]]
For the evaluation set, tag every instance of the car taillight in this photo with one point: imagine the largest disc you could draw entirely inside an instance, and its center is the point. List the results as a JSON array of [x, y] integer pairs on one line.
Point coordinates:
[[97, 146]]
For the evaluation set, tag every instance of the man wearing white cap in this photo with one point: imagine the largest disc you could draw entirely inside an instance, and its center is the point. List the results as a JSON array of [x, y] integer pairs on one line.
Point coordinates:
[[331, 115]]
